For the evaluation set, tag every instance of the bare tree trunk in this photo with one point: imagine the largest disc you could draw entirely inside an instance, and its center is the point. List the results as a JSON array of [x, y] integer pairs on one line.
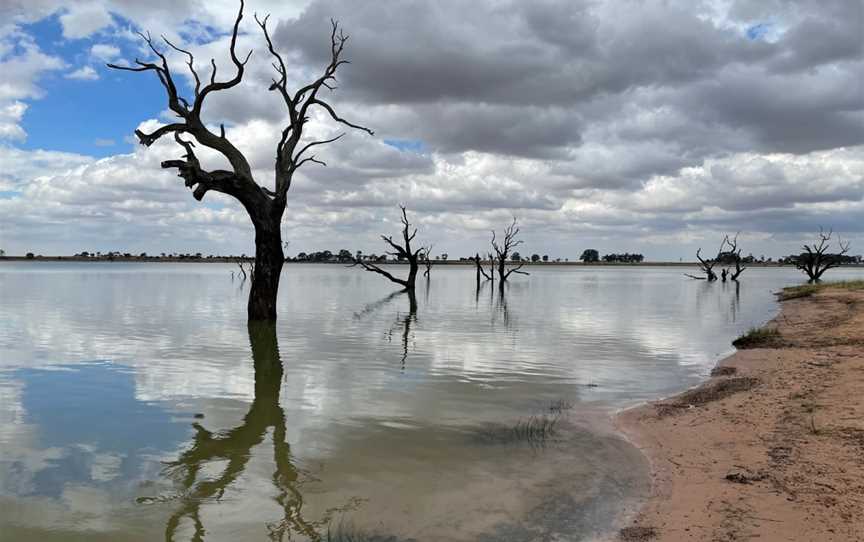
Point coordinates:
[[268, 269], [264, 205], [401, 252], [413, 266], [503, 251]]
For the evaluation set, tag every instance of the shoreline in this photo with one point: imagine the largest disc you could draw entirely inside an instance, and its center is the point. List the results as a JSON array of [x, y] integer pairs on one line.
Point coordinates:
[[771, 445], [469, 263]]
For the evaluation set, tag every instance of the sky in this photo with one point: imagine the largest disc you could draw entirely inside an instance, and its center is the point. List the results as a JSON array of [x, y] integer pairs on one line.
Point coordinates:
[[653, 126]]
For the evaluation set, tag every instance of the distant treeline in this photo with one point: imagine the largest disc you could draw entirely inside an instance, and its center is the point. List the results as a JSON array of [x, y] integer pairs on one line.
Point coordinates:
[[346, 256]]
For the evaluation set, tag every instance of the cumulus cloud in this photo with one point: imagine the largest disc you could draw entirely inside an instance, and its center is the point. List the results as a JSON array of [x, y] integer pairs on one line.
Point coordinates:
[[84, 73], [10, 120], [104, 52], [618, 123], [83, 19], [22, 63]]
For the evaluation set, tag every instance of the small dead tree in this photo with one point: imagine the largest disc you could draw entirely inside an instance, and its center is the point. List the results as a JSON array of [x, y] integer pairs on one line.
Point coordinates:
[[243, 273], [707, 265], [734, 253], [503, 250], [816, 259], [403, 251], [480, 271], [427, 259], [264, 205]]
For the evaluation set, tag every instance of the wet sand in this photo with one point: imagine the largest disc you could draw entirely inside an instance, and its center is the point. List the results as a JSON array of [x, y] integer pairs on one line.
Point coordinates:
[[772, 447]]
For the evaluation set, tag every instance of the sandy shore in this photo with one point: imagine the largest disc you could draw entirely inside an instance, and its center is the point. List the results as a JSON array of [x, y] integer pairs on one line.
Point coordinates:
[[772, 448]]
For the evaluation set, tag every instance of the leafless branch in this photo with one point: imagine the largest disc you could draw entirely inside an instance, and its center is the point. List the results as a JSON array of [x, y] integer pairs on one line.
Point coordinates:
[[817, 260]]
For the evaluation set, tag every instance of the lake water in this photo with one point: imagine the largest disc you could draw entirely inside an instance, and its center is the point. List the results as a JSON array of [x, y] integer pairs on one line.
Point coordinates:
[[136, 403]]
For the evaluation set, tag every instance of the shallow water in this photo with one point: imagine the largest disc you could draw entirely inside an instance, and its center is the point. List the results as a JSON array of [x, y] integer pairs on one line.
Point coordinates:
[[136, 404]]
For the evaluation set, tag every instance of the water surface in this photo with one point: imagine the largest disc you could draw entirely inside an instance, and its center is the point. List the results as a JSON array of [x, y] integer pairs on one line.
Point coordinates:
[[136, 403]]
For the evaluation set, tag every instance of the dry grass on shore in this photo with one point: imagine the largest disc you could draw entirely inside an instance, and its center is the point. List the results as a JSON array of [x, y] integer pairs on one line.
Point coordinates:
[[806, 290]]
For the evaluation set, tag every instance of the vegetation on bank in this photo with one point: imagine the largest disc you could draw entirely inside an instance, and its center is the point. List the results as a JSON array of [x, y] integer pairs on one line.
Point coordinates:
[[766, 336], [757, 337], [806, 290]]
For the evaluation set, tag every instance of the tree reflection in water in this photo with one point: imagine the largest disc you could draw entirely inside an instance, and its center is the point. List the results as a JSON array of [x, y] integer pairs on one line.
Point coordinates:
[[405, 322], [235, 447]]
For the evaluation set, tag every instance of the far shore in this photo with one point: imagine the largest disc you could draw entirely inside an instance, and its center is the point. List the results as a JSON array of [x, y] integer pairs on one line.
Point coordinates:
[[771, 447], [246, 259]]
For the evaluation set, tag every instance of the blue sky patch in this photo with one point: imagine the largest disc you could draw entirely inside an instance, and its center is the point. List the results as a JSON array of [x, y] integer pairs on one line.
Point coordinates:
[[409, 145], [758, 31], [81, 116]]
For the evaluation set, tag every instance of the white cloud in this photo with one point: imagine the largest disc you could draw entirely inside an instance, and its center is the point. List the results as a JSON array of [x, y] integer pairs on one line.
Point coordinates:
[[10, 119], [104, 52], [21, 63], [83, 19], [579, 117], [85, 73]]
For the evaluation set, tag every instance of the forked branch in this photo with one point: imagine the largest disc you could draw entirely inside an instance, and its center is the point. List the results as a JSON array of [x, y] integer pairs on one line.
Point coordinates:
[[299, 104], [402, 252], [816, 259]]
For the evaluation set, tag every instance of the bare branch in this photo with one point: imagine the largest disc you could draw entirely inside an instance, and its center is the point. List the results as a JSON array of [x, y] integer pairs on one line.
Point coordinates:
[[149, 139], [401, 252], [314, 143], [375, 269], [817, 259], [337, 118], [238, 75], [189, 62]]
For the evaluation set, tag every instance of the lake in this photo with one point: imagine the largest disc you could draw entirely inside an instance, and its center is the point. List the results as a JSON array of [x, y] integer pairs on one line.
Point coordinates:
[[136, 403]]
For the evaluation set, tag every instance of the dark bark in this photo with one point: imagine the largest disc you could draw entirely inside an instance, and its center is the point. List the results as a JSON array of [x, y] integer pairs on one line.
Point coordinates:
[[403, 251], [816, 259], [707, 266], [269, 259], [735, 253], [503, 250], [264, 205]]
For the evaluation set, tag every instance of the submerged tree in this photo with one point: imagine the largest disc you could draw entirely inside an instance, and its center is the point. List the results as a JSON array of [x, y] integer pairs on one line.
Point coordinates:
[[707, 267], [401, 252], [264, 205], [426, 256], [503, 250], [728, 253], [478, 263], [733, 255], [816, 259]]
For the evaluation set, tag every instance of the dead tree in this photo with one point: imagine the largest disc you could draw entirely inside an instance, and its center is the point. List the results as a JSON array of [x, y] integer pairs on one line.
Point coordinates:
[[400, 251], [734, 253], [427, 260], [264, 205], [816, 259], [480, 271], [503, 250], [243, 273], [707, 266]]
